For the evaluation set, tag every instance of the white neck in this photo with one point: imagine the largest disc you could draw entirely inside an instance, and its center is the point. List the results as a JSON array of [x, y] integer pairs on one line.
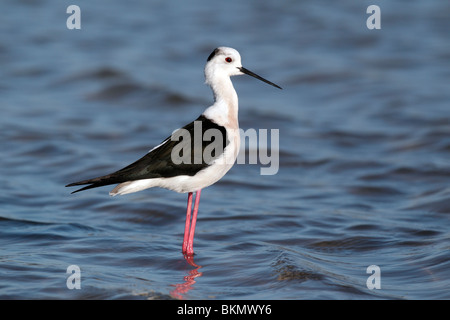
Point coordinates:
[[224, 111]]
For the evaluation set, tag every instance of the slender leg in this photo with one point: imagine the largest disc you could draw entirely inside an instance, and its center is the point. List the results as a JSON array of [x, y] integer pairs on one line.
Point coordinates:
[[190, 243], [188, 222]]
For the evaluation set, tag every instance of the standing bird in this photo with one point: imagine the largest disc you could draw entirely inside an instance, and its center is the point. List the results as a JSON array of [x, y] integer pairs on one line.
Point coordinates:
[[196, 169]]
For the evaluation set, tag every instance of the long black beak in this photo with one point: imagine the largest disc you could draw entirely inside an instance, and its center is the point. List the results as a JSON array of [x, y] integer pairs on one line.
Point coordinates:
[[243, 70]]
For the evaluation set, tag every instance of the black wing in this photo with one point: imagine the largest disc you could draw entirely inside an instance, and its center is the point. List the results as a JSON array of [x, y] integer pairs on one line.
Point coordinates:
[[158, 163]]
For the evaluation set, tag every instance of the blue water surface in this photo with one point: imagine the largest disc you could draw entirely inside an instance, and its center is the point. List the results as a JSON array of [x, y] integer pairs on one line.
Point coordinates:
[[364, 150]]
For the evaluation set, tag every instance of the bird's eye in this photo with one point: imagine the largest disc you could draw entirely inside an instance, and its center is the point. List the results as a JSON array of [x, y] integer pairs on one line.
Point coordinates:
[[228, 59]]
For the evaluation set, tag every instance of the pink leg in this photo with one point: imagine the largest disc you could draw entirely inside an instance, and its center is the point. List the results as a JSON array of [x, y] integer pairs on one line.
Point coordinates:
[[190, 243], [188, 222]]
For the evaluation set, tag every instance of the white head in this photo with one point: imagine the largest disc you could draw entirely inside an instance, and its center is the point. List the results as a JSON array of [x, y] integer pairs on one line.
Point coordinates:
[[224, 61]]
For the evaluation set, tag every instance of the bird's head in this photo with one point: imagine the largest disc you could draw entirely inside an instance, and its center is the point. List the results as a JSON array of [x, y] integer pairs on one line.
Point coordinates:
[[224, 61]]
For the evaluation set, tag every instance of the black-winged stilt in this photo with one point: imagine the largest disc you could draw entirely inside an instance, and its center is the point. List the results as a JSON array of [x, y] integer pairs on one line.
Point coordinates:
[[159, 168]]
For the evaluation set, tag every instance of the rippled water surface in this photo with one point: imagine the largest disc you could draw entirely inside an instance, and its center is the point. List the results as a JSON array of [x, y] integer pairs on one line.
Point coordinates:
[[364, 134]]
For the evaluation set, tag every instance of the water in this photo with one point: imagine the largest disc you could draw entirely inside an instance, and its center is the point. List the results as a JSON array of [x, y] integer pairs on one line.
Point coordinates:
[[364, 150]]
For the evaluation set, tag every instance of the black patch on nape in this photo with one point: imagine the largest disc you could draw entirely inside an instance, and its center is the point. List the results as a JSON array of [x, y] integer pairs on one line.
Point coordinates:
[[213, 54]]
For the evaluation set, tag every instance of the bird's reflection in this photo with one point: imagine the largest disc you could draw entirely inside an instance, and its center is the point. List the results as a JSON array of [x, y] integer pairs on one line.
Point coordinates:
[[189, 279]]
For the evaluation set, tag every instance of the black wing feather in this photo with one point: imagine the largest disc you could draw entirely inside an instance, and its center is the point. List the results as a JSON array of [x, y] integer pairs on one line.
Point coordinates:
[[158, 162]]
